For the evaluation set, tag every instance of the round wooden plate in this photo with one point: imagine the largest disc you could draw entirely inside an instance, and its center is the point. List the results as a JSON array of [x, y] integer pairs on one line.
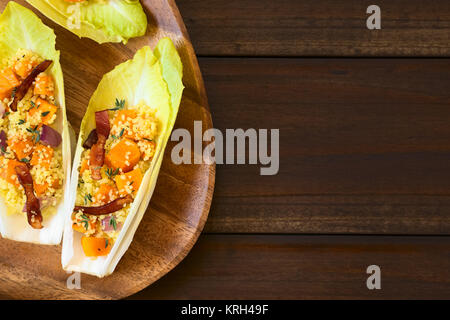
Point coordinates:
[[181, 201]]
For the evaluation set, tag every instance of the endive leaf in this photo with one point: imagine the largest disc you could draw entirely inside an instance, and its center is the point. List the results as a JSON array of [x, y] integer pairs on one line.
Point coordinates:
[[99, 20], [20, 28], [153, 78]]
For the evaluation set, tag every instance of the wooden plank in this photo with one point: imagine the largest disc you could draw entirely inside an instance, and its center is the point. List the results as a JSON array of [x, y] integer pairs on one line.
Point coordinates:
[[334, 214], [317, 27], [308, 267], [364, 144]]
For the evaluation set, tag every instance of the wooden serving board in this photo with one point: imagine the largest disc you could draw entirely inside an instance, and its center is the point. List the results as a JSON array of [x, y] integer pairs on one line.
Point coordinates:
[[181, 201]]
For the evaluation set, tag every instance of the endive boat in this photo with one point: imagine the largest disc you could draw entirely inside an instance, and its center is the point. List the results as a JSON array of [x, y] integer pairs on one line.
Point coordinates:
[[119, 152], [35, 151], [99, 20]]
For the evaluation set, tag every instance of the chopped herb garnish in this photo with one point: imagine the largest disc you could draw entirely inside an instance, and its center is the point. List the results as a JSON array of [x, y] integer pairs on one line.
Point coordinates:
[[32, 105], [113, 222], [120, 104], [87, 197], [24, 160], [85, 221], [37, 137], [21, 121], [120, 134], [148, 139], [111, 173], [106, 243], [35, 132], [45, 113]]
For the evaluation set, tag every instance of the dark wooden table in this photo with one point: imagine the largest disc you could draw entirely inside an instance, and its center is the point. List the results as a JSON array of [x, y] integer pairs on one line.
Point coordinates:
[[364, 119]]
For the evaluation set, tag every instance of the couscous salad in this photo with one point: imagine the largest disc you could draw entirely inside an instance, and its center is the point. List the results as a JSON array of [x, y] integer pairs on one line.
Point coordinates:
[[115, 157], [31, 172], [119, 152], [34, 146]]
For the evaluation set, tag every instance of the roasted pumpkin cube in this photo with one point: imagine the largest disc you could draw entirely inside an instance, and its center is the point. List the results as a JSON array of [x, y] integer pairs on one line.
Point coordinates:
[[95, 247], [8, 173], [8, 81], [44, 85], [105, 194], [42, 155], [124, 155], [45, 109], [22, 147], [128, 183]]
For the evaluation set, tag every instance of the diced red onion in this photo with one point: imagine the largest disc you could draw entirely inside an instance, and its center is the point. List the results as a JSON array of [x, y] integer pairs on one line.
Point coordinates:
[[3, 144], [102, 123], [50, 136]]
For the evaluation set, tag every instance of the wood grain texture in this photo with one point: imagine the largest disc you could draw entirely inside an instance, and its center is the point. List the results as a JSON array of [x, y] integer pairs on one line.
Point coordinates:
[[330, 214], [308, 267], [171, 224], [317, 27], [364, 145]]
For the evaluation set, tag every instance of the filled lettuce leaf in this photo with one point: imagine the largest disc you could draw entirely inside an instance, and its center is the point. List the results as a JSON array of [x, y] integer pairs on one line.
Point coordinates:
[[21, 30], [151, 79], [100, 20]]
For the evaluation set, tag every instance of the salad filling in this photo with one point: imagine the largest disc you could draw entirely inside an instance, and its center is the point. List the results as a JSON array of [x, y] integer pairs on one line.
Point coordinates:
[[115, 157], [31, 170]]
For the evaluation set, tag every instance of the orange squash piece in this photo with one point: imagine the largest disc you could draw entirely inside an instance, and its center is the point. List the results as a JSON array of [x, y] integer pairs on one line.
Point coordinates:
[[79, 226], [84, 166], [42, 155], [8, 173], [132, 179], [43, 85], [40, 189], [46, 109], [124, 119], [124, 155], [105, 194], [21, 147], [95, 247], [24, 66], [8, 81]]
